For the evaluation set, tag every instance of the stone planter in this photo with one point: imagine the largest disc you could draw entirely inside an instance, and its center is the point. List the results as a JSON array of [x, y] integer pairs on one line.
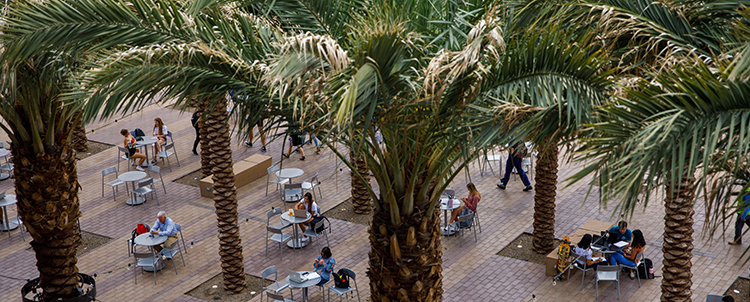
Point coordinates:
[[33, 287]]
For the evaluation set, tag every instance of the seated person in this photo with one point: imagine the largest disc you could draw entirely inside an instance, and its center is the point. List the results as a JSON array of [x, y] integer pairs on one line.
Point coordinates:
[[583, 249], [624, 233], [133, 153], [627, 256], [160, 132], [324, 265], [309, 205], [470, 203], [164, 226]]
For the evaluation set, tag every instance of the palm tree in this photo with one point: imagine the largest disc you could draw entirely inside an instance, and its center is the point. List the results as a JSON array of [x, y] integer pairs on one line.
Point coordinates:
[[660, 135]]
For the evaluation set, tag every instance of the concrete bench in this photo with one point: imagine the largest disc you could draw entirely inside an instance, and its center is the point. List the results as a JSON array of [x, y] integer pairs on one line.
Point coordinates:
[[590, 227], [245, 172]]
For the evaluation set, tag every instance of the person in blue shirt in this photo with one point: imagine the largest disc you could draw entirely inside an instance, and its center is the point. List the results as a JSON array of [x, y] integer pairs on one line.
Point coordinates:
[[622, 232], [164, 226], [743, 207], [324, 265]]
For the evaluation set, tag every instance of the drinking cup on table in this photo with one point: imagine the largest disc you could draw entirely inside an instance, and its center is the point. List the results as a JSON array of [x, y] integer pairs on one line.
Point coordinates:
[[291, 212]]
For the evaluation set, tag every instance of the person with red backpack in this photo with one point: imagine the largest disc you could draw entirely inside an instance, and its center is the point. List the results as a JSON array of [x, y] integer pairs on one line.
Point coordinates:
[[164, 226], [324, 265]]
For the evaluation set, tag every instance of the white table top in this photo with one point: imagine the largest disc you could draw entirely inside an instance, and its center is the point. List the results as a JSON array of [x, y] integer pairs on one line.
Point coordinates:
[[444, 204], [295, 220], [132, 176], [147, 140], [308, 283], [289, 173], [4, 152], [8, 200], [146, 239]]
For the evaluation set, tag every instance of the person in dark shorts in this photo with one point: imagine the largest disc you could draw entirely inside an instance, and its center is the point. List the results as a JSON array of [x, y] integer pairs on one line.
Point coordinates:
[[129, 143], [296, 139], [249, 142]]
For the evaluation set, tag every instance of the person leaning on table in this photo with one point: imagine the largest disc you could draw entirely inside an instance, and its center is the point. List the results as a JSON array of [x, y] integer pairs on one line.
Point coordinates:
[[622, 231], [164, 226], [627, 256], [583, 249]]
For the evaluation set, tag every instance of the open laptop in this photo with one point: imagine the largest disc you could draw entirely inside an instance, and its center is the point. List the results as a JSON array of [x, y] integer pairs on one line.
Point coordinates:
[[598, 241], [297, 276], [300, 213]]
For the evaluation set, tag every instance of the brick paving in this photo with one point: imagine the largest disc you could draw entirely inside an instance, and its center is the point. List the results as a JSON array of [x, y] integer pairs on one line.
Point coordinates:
[[472, 272]]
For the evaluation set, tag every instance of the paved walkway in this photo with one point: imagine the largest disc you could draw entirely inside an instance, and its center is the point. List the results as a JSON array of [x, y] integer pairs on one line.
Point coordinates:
[[471, 273]]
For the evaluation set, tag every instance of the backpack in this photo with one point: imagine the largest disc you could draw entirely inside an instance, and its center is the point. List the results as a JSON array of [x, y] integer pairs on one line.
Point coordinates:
[[319, 226], [138, 133], [466, 223], [646, 269], [139, 229], [341, 279]]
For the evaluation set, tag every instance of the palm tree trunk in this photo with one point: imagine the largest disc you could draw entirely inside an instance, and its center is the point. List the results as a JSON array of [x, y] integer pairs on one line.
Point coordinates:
[[544, 199], [47, 194], [678, 242], [360, 198], [405, 260], [206, 165], [225, 197], [79, 140]]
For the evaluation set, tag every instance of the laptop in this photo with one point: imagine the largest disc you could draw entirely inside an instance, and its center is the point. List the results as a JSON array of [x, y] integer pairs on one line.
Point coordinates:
[[614, 237], [297, 276], [300, 213], [598, 241]]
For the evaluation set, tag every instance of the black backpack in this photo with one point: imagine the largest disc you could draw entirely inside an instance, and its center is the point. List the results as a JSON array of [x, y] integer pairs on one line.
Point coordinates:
[[341, 279], [138, 133], [646, 269], [320, 227]]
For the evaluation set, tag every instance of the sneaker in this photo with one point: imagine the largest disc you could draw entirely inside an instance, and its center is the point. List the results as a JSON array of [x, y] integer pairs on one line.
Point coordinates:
[[263, 149], [632, 275], [735, 242], [195, 152], [285, 155], [302, 158], [501, 186], [248, 144], [317, 150], [139, 168], [527, 188]]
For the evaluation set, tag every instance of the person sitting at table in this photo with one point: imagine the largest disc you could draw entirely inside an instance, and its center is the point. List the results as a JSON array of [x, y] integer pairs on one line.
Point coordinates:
[[160, 132], [622, 232], [133, 153], [164, 226], [627, 256], [583, 249], [310, 206], [324, 265], [470, 204]]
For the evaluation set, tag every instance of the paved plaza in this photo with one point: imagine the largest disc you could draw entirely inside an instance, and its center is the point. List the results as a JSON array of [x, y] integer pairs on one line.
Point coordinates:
[[473, 272]]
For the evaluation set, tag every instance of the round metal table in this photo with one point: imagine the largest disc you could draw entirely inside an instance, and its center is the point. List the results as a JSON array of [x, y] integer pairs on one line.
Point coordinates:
[[4, 153], [7, 225], [147, 140], [150, 240], [133, 177], [290, 173], [304, 285], [444, 206], [295, 242]]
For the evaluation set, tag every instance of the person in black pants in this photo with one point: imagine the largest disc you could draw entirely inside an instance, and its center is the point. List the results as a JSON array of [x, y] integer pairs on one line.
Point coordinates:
[[194, 121], [515, 159]]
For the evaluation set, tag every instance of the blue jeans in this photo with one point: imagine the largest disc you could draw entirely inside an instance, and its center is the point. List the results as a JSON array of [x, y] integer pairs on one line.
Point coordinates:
[[514, 162], [323, 280], [619, 257]]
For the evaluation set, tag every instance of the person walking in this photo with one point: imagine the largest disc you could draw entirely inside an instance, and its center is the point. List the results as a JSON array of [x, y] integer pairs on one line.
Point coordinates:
[[515, 158], [194, 121], [743, 208]]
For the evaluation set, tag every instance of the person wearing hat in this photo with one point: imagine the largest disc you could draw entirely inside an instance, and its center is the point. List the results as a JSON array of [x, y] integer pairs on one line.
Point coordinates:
[[743, 208]]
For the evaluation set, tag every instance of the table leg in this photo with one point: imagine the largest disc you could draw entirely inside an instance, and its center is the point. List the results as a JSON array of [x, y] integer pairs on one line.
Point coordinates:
[[296, 242], [134, 199], [7, 226]]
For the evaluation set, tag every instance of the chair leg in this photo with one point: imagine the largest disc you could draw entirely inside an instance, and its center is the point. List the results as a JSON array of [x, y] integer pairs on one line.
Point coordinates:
[[583, 277], [597, 289], [183, 241]]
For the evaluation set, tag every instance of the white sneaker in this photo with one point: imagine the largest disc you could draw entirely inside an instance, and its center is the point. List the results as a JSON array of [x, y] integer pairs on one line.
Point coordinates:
[[139, 168]]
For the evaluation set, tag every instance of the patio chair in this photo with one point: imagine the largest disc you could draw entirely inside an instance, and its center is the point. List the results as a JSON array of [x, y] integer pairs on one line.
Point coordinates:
[[165, 154], [312, 232], [291, 193], [122, 153], [274, 287], [310, 186], [145, 260], [714, 298], [342, 291], [278, 181], [277, 297], [146, 187], [18, 220], [279, 225], [608, 273], [113, 183], [637, 260], [490, 157], [279, 237], [170, 252], [155, 169], [468, 217], [583, 267]]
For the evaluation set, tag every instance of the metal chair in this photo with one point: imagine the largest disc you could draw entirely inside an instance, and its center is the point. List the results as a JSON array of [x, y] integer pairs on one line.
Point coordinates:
[[277, 297], [278, 181], [170, 252], [279, 237], [714, 298], [145, 260], [274, 287], [131, 244], [449, 193], [279, 225], [114, 183], [637, 259], [476, 219], [291, 193], [310, 186], [311, 232], [583, 267], [8, 166], [165, 153], [18, 220], [608, 273], [145, 187], [322, 289], [489, 157], [469, 217], [124, 151], [155, 169], [342, 291]]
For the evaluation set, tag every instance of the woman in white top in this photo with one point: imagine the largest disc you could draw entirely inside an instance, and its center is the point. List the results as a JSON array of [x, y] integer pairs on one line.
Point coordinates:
[[160, 132], [583, 249], [310, 206]]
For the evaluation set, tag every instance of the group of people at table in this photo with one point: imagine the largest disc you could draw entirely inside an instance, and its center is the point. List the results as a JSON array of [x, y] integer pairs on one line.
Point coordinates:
[[160, 132], [627, 256]]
